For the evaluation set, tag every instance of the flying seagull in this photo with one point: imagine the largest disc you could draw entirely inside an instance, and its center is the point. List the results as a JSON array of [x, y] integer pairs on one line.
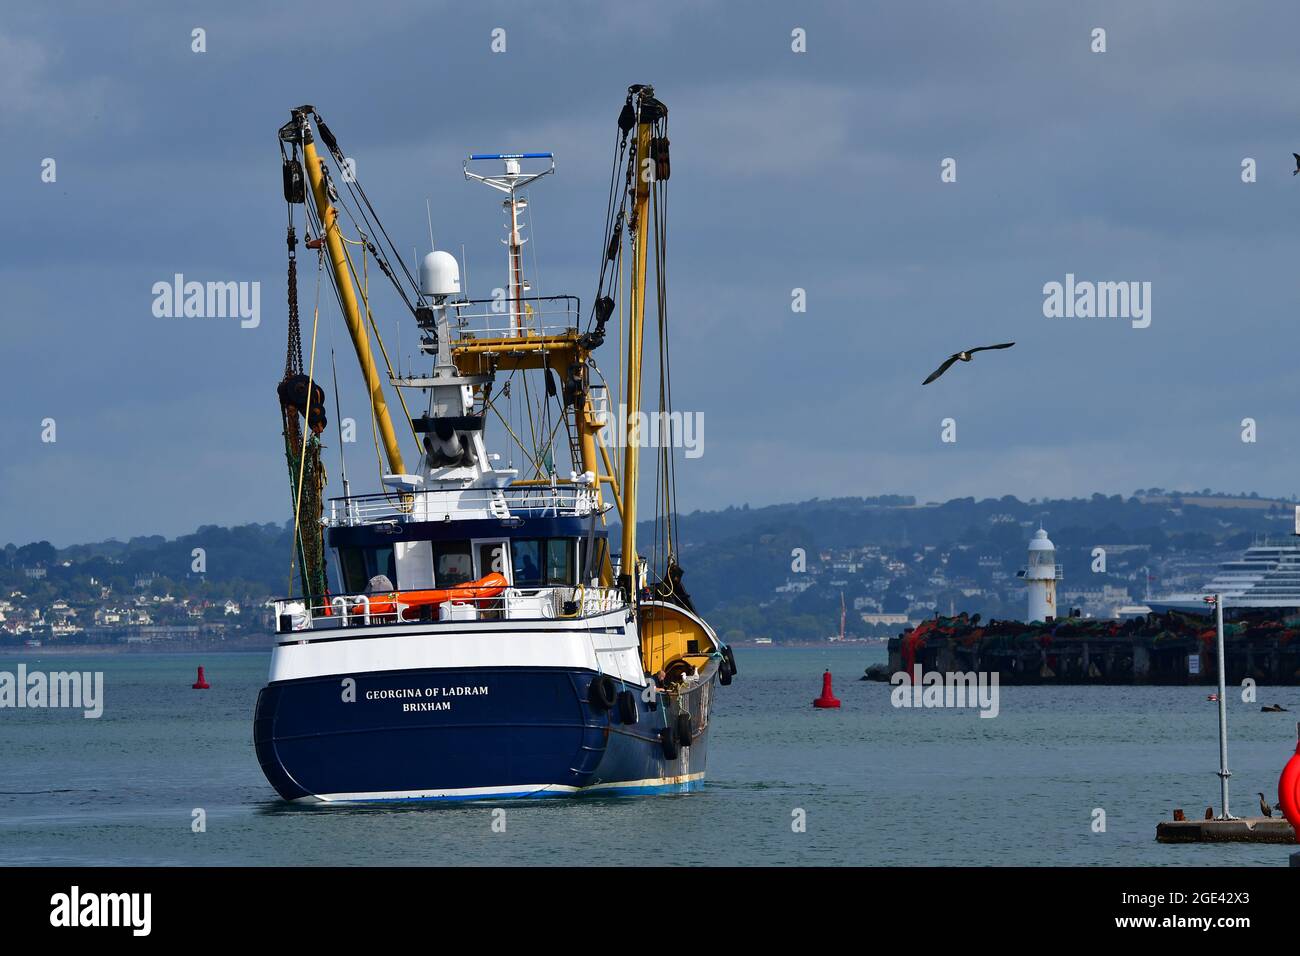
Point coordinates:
[[1297, 163], [963, 357]]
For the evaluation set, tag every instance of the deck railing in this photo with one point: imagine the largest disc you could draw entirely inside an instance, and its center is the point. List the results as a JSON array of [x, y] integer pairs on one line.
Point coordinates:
[[509, 318], [535, 501], [293, 615]]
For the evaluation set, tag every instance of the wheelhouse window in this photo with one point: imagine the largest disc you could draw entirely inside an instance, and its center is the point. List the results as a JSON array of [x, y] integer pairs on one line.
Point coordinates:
[[559, 561], [492, 558], [592, 562], [544, 562], [453, 563], [528, 562], [359, 565]]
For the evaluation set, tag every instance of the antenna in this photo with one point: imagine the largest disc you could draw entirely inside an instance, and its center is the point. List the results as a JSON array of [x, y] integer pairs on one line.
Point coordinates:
[[415, 261], [428, 211], [338, 423]]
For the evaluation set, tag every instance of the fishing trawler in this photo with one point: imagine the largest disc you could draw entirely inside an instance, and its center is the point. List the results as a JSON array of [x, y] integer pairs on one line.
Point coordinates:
[[468, 631]]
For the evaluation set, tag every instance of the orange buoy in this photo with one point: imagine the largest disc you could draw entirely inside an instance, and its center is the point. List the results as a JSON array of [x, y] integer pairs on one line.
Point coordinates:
[[827, 699], [201, 683], [1288, 789]]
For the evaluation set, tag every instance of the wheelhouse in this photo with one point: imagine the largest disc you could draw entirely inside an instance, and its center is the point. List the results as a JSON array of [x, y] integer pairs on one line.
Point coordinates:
[[531, 554]]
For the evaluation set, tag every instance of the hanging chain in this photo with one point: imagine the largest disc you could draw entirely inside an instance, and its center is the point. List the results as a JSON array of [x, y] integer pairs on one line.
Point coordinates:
[[293, 351]]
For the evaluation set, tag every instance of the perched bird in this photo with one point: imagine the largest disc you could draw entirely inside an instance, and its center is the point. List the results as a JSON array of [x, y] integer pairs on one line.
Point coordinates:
[[1273, 709], [963, 357], [1264, 808], [1297, 163]]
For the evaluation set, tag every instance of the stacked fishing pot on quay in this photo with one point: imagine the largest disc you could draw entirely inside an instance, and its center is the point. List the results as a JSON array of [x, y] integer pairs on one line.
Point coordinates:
[[1169, 648]]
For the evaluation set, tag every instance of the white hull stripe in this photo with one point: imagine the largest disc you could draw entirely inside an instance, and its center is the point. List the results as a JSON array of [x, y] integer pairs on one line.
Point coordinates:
[[522, 790], [414, 648], [370, 633], [605, 620]]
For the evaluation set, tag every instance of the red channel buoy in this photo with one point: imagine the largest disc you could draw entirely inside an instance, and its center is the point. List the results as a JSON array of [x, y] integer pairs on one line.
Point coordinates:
[[201, 683], [1288, 789], [827, 699]]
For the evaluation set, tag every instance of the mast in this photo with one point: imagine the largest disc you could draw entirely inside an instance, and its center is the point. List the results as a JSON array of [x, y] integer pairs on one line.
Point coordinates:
[[514, 206], [535, 347], [510, 182], [347, 294], [640, 227]]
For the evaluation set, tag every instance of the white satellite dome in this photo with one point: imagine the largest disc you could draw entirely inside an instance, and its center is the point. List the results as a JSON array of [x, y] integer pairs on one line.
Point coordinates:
[[440, 274]]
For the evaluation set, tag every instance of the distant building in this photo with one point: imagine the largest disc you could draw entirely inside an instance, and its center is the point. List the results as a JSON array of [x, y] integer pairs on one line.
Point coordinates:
[[899, 619], [794, 586], [1131, 610], [107, 617]]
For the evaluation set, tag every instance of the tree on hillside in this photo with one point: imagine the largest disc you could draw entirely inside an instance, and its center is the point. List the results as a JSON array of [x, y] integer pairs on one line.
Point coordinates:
[[37, 554]]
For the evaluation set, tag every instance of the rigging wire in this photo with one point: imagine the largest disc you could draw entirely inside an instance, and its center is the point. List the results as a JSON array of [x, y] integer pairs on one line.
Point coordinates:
[[302, 461], [364, 285], [338, 298], [350, 181]]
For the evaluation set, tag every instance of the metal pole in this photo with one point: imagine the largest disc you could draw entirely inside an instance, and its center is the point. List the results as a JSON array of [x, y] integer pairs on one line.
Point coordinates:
[[1224, 774]]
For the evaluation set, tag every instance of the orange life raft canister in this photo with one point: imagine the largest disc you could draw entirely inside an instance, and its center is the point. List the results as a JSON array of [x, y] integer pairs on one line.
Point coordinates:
[[488, 586]]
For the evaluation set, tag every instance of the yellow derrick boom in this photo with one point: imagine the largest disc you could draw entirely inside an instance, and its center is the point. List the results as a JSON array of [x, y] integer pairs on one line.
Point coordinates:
[[635, 346], [348, 297]]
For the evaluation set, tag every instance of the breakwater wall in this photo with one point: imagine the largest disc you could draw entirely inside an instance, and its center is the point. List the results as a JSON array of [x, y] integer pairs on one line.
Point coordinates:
[[1169, 648]]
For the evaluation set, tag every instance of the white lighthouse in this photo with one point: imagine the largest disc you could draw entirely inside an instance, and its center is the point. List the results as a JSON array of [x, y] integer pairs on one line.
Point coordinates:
[[1041, 574]]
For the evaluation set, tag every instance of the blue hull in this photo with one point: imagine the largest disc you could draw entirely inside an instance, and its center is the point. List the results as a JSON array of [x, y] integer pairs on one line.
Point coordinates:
[[472, 733]]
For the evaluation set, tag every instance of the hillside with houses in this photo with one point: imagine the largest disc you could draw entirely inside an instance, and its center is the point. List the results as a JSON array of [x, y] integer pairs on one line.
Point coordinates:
[[779, 573]]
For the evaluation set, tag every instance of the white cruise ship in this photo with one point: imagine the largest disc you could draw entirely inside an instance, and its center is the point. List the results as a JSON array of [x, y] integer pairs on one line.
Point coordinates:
[[1265, 576]]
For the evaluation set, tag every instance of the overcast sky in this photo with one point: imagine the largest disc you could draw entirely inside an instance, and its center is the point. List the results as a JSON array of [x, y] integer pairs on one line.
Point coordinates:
[[816, 170]]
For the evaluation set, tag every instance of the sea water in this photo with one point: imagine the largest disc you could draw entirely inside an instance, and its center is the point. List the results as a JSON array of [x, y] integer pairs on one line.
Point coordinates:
[[1062, 775]]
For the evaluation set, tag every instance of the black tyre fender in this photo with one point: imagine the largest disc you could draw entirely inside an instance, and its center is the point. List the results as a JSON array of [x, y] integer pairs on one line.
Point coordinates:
[[627, 709], [685, 729], [668, 740], [602, 692], [730, 657]]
